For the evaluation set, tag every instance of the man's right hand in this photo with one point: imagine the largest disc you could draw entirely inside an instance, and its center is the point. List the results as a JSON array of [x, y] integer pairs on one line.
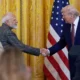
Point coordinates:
[[44, 52]]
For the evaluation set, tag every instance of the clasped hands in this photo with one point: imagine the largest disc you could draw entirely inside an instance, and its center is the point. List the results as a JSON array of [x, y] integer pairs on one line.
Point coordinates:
[[44, 52]]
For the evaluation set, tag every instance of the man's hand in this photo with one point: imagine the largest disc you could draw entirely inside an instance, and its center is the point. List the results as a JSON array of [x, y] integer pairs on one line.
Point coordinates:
[[44, 52]]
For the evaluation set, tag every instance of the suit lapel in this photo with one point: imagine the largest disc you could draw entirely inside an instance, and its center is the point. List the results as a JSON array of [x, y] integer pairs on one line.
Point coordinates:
[[68, 34], [77, 31]]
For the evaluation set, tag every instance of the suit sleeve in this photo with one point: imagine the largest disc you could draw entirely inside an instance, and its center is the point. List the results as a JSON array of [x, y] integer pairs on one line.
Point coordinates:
[[13, 40], [59, 45]]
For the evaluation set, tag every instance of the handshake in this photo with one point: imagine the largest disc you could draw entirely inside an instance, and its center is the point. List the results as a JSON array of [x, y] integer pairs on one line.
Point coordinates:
[[44, 52]]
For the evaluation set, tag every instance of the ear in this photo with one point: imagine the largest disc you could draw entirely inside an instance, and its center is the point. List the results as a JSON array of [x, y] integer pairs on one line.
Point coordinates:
[[7, 22]]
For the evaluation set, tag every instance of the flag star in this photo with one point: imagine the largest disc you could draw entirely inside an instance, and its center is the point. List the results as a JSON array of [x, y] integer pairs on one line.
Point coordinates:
[[61, 25], [51, 17], [61, 31], [57, 7], [63, 2], [56, 24], [56, 18], [57, 1], [53, 6], [57, 13], [67, 3], [62, 19]]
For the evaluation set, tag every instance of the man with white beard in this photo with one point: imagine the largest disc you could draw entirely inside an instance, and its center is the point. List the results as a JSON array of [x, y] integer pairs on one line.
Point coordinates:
[[9, 38]]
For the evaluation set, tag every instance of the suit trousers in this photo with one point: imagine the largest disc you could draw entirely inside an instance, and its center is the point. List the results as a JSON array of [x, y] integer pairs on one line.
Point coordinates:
[[74, 61]]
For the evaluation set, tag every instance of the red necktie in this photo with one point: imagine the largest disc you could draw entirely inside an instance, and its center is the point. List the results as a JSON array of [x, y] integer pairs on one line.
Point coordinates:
[[72, 34]]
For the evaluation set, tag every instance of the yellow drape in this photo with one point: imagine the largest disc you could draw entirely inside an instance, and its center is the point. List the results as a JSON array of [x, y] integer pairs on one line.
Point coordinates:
[[33, 24]]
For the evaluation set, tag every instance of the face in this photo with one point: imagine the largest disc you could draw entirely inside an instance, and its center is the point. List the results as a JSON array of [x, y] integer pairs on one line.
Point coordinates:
[[67, 17], [12, 22]]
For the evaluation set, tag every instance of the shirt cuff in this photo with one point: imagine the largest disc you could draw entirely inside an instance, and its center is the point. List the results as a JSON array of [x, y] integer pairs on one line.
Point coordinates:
[[48, 52]]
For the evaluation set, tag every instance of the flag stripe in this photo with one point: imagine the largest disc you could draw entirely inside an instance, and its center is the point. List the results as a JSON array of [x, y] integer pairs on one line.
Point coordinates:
[[48, 74], [64, 69], [64, 59], [61, 54], [56, 66], [52, 70], [54, 34]]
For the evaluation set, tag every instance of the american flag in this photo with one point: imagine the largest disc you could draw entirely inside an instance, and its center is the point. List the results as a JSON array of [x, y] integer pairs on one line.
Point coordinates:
[[56, 67]]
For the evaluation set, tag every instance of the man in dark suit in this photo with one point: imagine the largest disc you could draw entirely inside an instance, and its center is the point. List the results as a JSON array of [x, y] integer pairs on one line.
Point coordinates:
[[9, 38], [70, 36]]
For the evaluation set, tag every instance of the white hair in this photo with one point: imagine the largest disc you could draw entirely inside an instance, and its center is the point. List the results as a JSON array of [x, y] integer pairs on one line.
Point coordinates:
[[6, 17], [71, 10]]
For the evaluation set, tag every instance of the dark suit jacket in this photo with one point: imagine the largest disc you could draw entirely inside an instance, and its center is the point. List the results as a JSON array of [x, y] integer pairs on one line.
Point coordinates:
[[66, 39], [7, 37]]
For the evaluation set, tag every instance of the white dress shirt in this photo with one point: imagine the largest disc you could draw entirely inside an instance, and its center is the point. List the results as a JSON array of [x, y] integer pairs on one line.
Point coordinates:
[[75, 25]]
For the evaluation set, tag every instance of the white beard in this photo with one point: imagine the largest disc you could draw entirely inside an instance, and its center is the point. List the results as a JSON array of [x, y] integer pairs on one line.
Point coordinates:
[[14, 26]]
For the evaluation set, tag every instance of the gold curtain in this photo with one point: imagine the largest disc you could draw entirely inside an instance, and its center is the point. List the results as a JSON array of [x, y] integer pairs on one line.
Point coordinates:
[[33, 24]]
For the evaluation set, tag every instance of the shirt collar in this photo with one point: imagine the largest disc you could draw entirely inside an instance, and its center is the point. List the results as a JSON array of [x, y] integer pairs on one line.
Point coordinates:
[[76, 21], [6, 26]]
